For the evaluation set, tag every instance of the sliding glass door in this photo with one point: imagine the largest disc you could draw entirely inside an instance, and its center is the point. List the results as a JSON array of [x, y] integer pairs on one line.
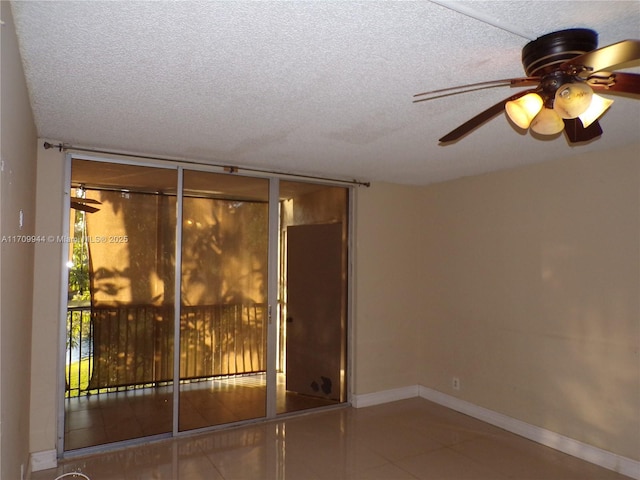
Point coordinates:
[[120, 303], [223, 299], [198, 299]]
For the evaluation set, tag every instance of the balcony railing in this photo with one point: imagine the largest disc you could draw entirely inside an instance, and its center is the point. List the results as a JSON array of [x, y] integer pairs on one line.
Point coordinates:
[[123, 347], [79, 353]]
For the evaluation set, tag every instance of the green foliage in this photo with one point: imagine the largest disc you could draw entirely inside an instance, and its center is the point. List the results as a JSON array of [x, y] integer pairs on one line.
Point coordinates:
[[78, 322], [79, 272]]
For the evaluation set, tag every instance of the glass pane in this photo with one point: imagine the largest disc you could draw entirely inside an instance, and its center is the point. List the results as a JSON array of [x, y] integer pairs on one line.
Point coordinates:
[[313, 296], [223, 308], [120, 311]]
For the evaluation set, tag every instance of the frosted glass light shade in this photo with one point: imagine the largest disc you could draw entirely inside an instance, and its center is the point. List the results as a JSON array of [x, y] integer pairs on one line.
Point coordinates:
[[523, 110], [547, 122], [572, 99], [598, 106]]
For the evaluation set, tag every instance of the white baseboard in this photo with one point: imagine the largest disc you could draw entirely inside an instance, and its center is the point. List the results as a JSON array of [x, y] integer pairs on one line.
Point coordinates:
[[386, 396], [43, 460], [575, 448], [589, 453]]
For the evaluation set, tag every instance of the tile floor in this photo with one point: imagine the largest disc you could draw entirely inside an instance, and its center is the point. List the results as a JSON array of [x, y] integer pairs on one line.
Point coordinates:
[[409, 439], [114, 417]]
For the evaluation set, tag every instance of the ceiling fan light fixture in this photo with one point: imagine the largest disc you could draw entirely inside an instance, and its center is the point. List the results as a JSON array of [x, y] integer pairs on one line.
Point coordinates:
[[524, 109], [572, 99], [562, 67], [547, 122], [598, 106]]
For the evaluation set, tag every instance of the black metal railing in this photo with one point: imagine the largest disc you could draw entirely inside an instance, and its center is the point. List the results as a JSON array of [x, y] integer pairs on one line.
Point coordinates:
[[79, 353], [121, 347]]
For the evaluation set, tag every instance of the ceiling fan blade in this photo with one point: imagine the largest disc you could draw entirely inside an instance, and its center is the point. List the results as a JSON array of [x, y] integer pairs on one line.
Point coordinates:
[[472, 87], [83, 207], [481, 118], [576, 132], [604, 58], [616, 82], [85, 200]]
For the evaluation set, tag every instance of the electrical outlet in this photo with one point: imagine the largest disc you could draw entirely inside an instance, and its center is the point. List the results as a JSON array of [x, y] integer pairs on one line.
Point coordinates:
[[455, 383]]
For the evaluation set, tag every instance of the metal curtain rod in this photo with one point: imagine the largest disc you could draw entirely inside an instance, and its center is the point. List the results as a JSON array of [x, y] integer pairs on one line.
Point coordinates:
[[228, 168]]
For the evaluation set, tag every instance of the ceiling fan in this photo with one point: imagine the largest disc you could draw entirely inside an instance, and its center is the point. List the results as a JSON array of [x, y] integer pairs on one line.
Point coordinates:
[[79, 203], [565, 69]]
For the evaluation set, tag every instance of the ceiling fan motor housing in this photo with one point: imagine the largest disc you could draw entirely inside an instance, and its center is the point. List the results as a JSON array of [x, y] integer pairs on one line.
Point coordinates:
[[542, 55]]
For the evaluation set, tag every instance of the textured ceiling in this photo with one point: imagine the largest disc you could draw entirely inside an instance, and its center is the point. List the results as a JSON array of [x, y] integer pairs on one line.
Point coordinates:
[[313, 87]]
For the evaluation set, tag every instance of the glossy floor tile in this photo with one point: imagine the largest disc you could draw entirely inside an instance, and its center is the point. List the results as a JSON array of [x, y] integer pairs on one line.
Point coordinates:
[[406, 440], [114, 417]]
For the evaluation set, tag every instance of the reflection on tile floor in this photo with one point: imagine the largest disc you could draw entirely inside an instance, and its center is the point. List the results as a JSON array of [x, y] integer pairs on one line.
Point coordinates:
[[115, 417], [409, 439]]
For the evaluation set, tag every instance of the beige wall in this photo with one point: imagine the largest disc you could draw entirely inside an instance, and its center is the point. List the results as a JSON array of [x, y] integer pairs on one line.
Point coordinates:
[[524, 284], [18, 156], [389, 258], [47, 306], [534, 287]]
